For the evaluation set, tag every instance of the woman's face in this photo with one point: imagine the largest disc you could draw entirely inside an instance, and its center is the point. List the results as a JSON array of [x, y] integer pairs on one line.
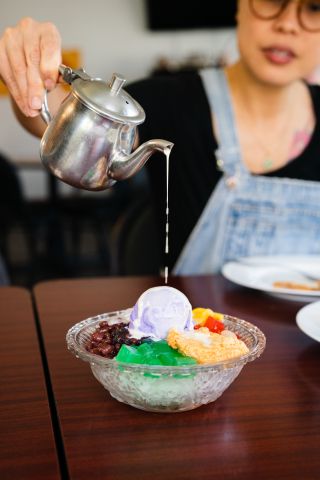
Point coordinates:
[[276, 51]]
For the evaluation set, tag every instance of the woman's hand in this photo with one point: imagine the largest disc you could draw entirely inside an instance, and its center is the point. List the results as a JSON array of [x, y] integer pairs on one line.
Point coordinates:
[[30, 55]]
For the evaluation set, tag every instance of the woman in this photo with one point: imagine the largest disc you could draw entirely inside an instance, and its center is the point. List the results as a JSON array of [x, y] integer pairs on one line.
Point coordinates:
[[244, 171]]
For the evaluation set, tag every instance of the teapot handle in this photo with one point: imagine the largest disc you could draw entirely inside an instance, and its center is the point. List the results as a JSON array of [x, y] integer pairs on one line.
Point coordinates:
[[68, 76], [45, 112]]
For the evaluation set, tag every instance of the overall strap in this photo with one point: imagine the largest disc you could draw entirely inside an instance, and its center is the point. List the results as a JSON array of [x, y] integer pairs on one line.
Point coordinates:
[[228, 153]]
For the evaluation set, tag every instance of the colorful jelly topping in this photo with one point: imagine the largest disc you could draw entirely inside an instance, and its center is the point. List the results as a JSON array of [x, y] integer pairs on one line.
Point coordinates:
[[164, 330], [153, 353]]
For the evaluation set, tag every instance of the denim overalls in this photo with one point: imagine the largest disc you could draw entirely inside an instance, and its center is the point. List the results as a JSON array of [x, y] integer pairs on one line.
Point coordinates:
[[247, 214]]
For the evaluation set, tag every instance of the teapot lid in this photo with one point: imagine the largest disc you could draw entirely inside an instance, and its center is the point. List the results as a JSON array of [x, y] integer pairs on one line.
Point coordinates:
[[109, 100]]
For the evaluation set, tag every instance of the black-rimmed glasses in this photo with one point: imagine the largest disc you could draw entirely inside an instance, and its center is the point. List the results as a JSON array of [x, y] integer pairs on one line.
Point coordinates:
[[308, 11]]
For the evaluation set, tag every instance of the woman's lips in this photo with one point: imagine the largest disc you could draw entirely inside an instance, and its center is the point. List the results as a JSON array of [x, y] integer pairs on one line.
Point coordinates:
[[278, 55]]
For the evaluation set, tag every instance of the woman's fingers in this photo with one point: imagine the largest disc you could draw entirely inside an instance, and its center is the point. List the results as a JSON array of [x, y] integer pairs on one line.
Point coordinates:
[[31, 49], [10, 80], [17, 66], [50, 48], [30, 54], [43, 55]]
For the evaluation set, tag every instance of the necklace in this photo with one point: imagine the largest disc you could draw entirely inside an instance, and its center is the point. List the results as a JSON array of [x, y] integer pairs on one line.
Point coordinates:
[[268, 142], [281, 144], [268, 161], [298, 139]]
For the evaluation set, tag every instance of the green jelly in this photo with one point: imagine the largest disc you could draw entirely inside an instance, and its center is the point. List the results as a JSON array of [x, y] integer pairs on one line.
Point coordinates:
[[167, 359], [153, 353], [129, 354], [162, 347], [145, 349], [185, 361]]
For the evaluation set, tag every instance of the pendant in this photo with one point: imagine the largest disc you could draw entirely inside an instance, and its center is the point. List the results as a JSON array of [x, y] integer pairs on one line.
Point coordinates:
[[232, 181], [267, 163]]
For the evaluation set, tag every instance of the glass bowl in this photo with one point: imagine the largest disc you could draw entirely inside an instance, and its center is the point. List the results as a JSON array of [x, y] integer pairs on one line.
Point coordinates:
[[163, 388]]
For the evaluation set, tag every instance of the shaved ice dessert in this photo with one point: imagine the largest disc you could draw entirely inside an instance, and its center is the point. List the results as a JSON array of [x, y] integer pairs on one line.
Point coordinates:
[[164, 330], [161, 355]]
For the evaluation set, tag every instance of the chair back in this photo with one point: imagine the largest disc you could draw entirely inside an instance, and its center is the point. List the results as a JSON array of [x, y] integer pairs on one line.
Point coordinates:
[[137, 241]]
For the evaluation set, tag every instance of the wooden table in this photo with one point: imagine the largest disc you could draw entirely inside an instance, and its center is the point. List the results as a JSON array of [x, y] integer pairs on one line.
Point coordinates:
[[265, 426], [26, 434]]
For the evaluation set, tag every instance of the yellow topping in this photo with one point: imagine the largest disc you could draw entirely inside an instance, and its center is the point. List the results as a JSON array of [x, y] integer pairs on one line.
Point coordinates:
[[200, 315], [207, 347]]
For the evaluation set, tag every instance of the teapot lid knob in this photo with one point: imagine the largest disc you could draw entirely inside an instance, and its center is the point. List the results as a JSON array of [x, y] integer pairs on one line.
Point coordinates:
[[116, 83], [108, 98]]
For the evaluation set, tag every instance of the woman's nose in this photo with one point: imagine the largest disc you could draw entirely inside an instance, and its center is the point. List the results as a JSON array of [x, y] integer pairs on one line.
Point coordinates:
[[288, 20]]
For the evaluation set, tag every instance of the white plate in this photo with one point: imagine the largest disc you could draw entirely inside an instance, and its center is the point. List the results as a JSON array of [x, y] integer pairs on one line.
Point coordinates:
[[261, 272], [308, 320]]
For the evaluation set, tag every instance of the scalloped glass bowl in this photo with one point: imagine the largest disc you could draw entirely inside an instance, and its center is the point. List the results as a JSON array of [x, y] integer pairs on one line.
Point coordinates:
[[162, 388]]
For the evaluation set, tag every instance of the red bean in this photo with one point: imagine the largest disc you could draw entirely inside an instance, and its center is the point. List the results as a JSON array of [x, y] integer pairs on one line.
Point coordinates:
[[107, 339]]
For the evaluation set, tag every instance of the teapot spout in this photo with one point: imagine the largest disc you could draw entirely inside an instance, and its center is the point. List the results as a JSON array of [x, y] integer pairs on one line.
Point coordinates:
[[127, 165]]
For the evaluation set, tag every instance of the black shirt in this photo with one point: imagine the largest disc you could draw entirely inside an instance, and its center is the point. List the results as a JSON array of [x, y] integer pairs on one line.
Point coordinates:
[[177, 110]]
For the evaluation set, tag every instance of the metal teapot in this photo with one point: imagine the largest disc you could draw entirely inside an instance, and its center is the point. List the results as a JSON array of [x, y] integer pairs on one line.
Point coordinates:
[[88, 143]]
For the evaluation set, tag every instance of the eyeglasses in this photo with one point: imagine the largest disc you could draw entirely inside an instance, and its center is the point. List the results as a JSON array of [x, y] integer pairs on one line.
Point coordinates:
[[308, 11]]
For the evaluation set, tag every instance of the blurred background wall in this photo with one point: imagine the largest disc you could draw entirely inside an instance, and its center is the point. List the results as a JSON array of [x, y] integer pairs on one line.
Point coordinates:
[[111, 35]]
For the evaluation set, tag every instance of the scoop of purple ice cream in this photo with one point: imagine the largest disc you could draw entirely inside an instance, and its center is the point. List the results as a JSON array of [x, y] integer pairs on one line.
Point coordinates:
[[159, 309]]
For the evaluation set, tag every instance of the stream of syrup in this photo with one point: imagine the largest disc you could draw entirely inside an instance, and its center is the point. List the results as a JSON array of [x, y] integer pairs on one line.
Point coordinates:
[[166, 249]]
